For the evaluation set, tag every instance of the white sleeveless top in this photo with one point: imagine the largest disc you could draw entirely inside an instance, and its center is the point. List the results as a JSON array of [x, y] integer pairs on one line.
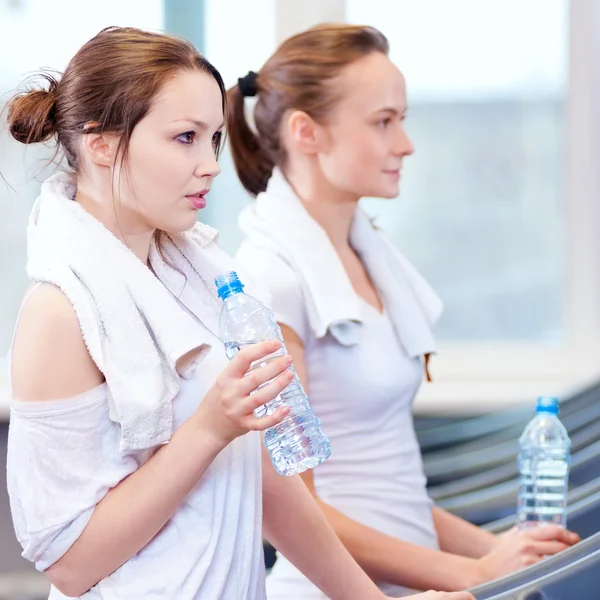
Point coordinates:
[[63, 457]]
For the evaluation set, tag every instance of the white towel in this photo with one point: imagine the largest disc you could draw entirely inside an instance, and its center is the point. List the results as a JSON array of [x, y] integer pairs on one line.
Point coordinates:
[[279, 222], [132, 322]]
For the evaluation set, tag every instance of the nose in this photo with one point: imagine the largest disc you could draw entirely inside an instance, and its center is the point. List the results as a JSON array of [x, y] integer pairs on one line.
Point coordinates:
[[403, 145], [208, 167]]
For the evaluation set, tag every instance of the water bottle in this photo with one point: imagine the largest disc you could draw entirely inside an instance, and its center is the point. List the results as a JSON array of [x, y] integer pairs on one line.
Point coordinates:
[[544, 460], [297, 443]]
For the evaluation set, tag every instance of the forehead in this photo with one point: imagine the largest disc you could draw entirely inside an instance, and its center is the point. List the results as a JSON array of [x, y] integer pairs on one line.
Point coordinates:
[[190, 95], [370, 84]]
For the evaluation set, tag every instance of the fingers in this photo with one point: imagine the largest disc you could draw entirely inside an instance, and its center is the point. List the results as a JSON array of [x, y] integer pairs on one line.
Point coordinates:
[[548, 548], [553, 533], [431, 595], [265, 373], [270, 391], [242, 361], [530, 559], [545, 540], [262, 423]]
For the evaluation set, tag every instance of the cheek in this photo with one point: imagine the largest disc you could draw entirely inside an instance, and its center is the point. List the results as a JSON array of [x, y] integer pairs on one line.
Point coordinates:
[[356, 158], [156, 165]]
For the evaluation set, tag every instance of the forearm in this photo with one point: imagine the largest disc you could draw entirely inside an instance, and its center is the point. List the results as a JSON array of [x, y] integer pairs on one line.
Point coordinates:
[[294, 524], [133, 512], [461, 537], [388, 559]]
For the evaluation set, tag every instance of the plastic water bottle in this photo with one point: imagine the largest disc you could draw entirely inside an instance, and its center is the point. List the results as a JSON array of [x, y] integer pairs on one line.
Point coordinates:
[[297, 443], [544, 460]]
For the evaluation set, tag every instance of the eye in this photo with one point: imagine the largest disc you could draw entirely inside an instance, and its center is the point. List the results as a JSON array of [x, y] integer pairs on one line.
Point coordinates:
[[216, 139], [384, 123], [187, 137]]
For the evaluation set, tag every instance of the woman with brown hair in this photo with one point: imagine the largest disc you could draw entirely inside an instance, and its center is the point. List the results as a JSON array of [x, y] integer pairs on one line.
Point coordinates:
[[356, 316], [134, 459]]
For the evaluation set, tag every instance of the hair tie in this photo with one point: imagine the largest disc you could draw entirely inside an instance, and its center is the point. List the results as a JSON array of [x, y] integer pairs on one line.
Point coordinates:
[[247, 84]]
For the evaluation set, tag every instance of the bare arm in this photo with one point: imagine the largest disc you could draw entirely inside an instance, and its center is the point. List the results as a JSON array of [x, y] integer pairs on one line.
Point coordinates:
[[294, 524], [48, 344], [461, 537], [388, 559]]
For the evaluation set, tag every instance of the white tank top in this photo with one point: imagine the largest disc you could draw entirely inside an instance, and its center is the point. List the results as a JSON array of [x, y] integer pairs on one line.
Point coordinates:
[[63, 457]]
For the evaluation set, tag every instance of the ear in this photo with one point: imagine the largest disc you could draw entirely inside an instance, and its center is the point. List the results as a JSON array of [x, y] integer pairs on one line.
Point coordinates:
[[100, 147], [305, 133]]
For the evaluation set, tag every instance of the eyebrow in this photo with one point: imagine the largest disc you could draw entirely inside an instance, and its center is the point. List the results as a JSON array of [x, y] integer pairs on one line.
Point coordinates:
[[200, 124], [392, 110]]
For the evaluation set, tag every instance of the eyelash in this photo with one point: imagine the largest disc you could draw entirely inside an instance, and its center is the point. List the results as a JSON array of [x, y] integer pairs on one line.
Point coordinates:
[[388, 120], [216, 139], [191, 134]]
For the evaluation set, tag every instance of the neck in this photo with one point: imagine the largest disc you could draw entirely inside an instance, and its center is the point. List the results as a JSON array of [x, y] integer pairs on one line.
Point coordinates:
[[333, 209], [119, 219]]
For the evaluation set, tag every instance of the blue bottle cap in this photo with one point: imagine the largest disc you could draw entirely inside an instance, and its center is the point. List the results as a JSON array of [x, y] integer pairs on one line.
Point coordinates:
[[228, 284], [547, 404]]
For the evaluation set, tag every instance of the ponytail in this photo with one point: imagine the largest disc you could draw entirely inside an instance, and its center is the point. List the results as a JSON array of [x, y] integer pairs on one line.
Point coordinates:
[[252, 162]]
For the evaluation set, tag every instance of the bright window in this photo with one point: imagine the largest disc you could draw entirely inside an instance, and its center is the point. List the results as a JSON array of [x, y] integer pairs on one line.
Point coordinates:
[[481, 210]]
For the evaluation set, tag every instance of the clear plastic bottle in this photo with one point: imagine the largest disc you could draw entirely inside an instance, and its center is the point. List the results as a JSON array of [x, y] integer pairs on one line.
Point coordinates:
[[297, 443], [544, 461]]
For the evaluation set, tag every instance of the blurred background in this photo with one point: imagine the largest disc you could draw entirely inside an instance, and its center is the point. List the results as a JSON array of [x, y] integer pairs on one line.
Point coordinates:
[[500, 205]]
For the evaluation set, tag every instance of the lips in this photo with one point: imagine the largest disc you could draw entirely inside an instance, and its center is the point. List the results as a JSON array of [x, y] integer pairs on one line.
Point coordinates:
[[198, 199], [395, 173]]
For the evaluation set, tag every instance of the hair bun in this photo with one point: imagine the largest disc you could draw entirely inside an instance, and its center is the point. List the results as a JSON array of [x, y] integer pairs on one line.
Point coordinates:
[[32, 115]]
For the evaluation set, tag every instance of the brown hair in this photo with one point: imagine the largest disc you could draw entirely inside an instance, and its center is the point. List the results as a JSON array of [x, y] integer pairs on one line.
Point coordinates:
[[299, 76], [107, 87]]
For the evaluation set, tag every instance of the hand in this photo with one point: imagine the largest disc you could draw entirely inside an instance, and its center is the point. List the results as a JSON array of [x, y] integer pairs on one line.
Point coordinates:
[[431, 595], [227, 410], [517, 549]]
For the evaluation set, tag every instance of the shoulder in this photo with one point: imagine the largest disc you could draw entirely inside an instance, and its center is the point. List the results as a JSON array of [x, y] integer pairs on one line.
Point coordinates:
[[284, 285], [267, 267], [50, 359], [271, 271]]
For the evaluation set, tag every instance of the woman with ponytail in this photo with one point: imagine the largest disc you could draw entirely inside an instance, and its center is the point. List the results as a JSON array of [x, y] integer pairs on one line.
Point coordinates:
[[328, 129]]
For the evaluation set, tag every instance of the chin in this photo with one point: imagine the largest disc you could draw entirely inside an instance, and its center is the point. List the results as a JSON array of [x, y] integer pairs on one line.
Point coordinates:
[[387, 192], [380, 187], [180, 226]]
